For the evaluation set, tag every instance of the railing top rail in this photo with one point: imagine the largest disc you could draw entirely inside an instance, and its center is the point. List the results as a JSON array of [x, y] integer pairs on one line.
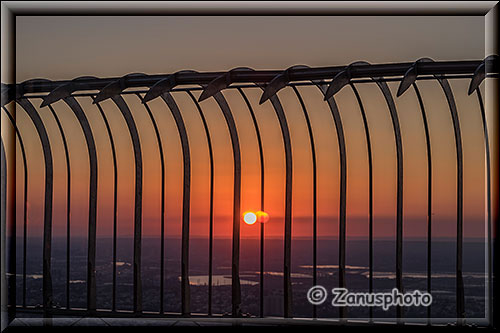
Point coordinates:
[[259, 76]]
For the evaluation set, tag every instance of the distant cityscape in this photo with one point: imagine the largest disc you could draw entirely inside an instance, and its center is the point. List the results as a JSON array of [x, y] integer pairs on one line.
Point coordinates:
[[357, 275]]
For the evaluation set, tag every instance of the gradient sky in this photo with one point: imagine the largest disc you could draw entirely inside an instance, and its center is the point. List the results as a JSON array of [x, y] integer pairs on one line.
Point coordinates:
[[67, 47]]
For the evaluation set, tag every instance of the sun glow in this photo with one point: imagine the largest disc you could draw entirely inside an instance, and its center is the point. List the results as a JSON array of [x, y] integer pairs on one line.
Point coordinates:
[[262, 217]]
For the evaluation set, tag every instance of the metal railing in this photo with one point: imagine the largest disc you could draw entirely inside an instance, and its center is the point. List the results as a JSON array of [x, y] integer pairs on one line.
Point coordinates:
[[329, 80]]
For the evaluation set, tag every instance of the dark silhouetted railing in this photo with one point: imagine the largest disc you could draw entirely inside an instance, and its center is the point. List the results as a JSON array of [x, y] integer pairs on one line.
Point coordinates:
[[329, 80]]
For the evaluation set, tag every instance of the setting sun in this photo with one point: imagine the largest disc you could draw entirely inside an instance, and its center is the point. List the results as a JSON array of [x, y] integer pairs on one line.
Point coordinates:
[[249, 217]]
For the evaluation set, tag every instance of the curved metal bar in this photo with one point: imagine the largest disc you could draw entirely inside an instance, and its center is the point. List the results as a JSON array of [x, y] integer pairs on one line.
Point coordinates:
[[343, 187], [279, 82], [49, 190], [276, 84], [213, 89], [429, 191], [63, 92], [338, 82], [262, 179], [410, 77], [458, 146], [115, 201], [164, 85], [162, 88], [7, 96], [488, 201], [211, 213], [25, 198], [134, 135], [386, 92], [315, 186], [487, 65], [370, 188], [384, 88], [186, 197], [235, 268], [8, 237], [92, 227], [68, 202], [162, 209], [287, 257], [342, 79], [221, 82], [59, 92], [116, 87]]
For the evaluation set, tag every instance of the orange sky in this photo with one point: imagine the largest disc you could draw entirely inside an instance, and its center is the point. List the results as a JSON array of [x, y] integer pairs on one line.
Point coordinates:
[[69, 52], [415, 199]]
